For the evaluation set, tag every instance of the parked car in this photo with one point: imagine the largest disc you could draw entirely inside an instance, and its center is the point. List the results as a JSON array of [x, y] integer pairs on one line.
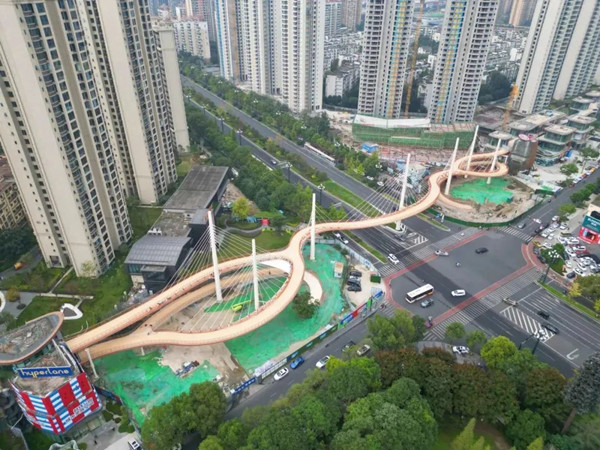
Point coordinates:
[[348, 345], [134, 444], [550, 327], [354, 288], [571, 275], [509, 301], [355, 273], [322, 362], [555, 218], [460, 350], [458, 293], [297, 362], [544, 314], [363, 350], [521, 225], [392, 258], [441, 253], [281, 373], [427, 303], [481, 250]]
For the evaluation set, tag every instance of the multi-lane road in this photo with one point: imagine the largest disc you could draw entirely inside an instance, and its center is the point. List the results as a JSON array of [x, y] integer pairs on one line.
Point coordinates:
[[504, 264]]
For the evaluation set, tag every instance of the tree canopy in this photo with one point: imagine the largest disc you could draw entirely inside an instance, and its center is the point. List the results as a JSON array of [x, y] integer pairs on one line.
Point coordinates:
[[392, 333], [303, 306]]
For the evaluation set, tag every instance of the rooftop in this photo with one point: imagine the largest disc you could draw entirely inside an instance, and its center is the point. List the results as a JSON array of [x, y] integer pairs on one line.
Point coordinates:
[[391, 123], [585, 120], [503, 135], [20, 344], [560, 129], [492, 117], [157, 250], [44, 385], [583, 100], [171, 224], [536, 120], [593, 94], [197, 190]]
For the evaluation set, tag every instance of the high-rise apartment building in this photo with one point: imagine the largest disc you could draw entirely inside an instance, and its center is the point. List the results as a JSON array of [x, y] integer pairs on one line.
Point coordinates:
[[561, 55], [167, 46], [351, 13], [303, 41], [384, 57], [191, 36], [193, 8], [87, 122], [466, 33], [276, 46], [504, 8], [333, 17], [522, 12]]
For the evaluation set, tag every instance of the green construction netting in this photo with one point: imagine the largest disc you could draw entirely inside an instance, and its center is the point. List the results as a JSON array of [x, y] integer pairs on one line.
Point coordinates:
[[480, 192]]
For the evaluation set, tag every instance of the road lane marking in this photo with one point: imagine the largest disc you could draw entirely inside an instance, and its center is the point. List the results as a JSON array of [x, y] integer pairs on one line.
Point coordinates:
[[571, 356]]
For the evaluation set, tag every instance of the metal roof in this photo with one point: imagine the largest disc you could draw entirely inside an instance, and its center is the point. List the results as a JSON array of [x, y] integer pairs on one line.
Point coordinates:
[[197, 190], [157, 250]]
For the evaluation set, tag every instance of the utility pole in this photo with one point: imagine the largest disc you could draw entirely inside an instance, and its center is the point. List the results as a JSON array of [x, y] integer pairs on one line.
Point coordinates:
[[313, 227], [215, 261], [321, 188], [255, 276], [403, 191]]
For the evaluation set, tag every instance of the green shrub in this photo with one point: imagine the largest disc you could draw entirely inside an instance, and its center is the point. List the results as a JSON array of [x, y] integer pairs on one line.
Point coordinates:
[[375, 279]]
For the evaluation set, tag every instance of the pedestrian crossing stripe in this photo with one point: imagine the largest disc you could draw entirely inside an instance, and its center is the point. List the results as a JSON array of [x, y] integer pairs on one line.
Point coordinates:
[[517, 233], [525, 322]]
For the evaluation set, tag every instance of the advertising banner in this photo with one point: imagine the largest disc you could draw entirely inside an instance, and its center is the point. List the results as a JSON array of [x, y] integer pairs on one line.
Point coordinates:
[[44, 372]]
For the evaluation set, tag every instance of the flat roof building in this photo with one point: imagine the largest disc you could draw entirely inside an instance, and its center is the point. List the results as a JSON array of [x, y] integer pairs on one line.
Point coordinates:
[[202, 186]]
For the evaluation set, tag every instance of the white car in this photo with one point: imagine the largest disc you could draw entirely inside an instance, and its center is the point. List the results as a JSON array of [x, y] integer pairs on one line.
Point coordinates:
[[579, 272], [322, 362], [441, 253], [459, 293], [547, 245], [460, 350], [281, 373], [563, 227], [392, 258], [380, 183], [563, 241], [555, 219]]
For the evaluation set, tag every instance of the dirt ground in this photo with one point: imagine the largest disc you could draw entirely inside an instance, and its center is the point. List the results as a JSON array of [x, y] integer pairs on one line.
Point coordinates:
[[358, 298], [523, 200], [232, 193]]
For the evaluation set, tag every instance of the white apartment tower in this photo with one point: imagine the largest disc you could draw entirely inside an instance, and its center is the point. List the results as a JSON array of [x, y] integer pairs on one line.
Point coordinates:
[[166, 42], [351, 13], [275, 46], [303, 41], [562, 53], [466, 33], [384, 57], [333, 17], [191, 36], [87, 122]]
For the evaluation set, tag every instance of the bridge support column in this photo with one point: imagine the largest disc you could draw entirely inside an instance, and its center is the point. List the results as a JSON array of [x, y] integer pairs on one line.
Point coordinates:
[[142, 351], [489, 180], [215, 261], [451, 168], [87, 351], [255, 276], [313, 224], [472, 149], [403, 191]]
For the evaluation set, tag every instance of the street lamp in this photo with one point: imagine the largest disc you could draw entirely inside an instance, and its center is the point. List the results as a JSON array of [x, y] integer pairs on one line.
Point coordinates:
[[288, 166], [321, 188], [537, 335], [554, 256]]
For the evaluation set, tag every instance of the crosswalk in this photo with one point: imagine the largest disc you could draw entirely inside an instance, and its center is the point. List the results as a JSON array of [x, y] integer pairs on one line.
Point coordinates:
[[525, 322], [517, 233], [484, 304]]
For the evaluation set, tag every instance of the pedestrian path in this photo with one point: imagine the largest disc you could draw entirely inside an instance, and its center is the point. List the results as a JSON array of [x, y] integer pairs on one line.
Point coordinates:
[[525, 322], [484, 304], [517, 233]]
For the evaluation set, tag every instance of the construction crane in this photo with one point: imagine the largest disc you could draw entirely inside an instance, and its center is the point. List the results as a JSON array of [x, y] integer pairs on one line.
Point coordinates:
[[514, 92], [413, 62]]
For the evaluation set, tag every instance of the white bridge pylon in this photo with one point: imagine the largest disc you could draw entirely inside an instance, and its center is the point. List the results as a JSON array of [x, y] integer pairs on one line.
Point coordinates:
[[403, 192]]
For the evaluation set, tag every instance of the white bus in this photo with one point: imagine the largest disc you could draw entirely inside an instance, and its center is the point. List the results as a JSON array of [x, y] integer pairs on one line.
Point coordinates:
[[420, 293]]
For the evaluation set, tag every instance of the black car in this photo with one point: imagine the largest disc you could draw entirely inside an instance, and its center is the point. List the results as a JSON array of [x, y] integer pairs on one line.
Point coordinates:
[[355, 274], [550, 327], [348, 345], [481, 250], [354, 288], [571, 275], [544, 314], [427, 303]]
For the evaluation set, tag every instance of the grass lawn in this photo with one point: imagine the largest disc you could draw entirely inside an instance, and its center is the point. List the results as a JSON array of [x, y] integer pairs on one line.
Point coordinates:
[[272, 240], [142, 219], [492, 436], [347, 196], [242, 245], [44, 305], [40, 279], [107, 291]]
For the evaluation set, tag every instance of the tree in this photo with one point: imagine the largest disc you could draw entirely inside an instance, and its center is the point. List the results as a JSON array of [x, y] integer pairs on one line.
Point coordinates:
[[371, 165], [420, 327], [597, 306], [241, 208], [476, 338], [232, 434], [497, 350], [538, 444], [211, 442], [393, 333], [566, 209], [200, 411], [526, 428], [12, 295], [455, 331], [588, 287], [586, 431], [7, 319], [543, 393], [466, 439], [496, 87], [583, 390], [562, 442], [589, 153], [303, 306], [569, 169], [13, 243]]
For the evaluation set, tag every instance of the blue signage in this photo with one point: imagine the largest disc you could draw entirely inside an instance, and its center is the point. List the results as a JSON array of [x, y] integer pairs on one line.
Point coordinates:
[[347, 319], [244, 385], [44, 372]]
